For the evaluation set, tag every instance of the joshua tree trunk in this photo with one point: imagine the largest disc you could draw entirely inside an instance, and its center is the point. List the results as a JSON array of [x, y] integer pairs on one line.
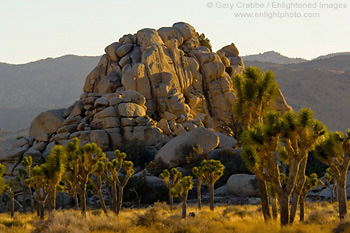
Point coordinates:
[[264, 200], [211, 196], [102, 201], [75, 197], [12, 195], [184, 205], [302, 206], [120, 198], [199, 194], [274, 207], [31, 200], [171, 202], [82, 196], [284, 209], [42, 209], [341, 183], [114, 197], [52, 197], [1, 203], [298, 189]]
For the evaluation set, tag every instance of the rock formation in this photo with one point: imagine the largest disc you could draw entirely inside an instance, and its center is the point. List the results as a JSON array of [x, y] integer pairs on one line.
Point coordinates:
[[148, 88]]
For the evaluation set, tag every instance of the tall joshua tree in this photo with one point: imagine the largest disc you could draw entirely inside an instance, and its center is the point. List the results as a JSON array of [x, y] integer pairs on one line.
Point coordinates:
[[181, 190], [39, 182], [70, 176], [299, 132], [255, 92], [335, 151], [55, 168], [87, 157], [27, 165], [114, 167], [170, 183], [212, 171], [8, 188]]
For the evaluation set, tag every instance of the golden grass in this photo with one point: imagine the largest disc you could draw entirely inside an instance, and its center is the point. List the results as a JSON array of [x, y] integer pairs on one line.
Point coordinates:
[[319, 217]]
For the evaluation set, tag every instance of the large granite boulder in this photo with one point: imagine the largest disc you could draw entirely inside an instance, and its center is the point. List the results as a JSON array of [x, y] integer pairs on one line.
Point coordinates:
[[243, 185], [172, 152], [45, 124]]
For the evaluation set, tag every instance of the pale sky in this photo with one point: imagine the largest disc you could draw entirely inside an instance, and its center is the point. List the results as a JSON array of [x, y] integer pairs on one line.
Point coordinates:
[[36, 29]]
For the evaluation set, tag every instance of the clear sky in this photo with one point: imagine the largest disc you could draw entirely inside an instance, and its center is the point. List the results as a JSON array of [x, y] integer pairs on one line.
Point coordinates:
[[37, 29]]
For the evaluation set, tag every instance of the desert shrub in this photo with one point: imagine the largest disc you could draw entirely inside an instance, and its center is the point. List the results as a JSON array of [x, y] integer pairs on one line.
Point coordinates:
[[156, 167], [318, 217], [12, 223], [193, 155], [152, 216], [343, 227], [204, 41]]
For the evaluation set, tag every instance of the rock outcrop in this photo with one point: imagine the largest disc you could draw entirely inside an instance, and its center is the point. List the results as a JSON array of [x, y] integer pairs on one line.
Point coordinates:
[[159, 88]]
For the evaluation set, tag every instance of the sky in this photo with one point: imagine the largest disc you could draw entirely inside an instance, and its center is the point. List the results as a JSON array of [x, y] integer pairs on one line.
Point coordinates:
[[36, 29]]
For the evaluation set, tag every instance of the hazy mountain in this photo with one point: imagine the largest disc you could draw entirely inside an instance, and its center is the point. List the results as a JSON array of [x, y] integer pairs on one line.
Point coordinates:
[[272, 57], [28, 89], [321, 84]]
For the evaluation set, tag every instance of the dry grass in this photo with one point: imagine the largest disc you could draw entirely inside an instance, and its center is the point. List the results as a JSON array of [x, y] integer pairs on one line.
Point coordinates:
[[320, 217]]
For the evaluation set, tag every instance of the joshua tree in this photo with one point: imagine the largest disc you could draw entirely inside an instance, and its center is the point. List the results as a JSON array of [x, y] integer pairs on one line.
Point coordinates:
[[329, 177], [70, 177], [212, 171], [176, 176], [8, 188], [55, 169], [113, 168], [335, 151], [99, 170], [181, 190], [39, 182], [255, 92], [310, 183], [299, 132], [27, 165], [87, 157], [198, 172]]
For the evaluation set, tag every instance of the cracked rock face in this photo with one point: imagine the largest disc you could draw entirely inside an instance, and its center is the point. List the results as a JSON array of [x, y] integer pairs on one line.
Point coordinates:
[[174, 73], [150, 88]]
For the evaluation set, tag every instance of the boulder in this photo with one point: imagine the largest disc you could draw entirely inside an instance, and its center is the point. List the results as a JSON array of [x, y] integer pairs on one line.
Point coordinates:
[[148, 37], [133, 96], [11, 159], [172, 152], [226, 142], [100, 137], [35, 154], [243, 185], [107, 112], [124, 49], [131, 110], [45, 124], [111, 51]]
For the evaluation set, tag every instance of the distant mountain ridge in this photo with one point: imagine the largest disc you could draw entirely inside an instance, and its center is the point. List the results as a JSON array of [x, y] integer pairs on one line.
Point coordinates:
[[27, 89], [24, 86], [272, 57], [320, 84]]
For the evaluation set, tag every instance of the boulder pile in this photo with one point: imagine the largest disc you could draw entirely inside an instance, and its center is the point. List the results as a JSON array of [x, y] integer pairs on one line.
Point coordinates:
[[153, 87]]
